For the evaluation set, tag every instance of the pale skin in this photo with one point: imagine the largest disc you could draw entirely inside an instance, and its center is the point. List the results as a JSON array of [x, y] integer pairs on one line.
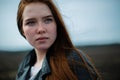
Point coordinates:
[[39, 28]]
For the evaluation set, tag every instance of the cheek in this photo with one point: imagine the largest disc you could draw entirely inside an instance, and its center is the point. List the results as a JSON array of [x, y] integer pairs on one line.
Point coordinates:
[[28, 33], [54, 34]]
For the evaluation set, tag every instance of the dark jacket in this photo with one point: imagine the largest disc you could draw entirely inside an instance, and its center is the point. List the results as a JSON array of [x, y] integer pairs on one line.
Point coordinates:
[[25, 66]]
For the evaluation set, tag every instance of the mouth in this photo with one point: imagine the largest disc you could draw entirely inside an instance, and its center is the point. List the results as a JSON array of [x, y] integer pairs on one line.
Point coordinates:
[[41, 38]]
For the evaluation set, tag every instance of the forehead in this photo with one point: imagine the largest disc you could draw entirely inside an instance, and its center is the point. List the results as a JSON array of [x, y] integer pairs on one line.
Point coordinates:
[[36, 9]]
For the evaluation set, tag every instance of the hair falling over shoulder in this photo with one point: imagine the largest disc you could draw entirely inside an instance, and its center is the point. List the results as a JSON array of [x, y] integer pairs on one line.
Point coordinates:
[[60, 69]]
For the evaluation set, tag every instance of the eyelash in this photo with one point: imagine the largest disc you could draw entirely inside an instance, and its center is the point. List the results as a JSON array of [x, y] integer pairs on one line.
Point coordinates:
[[30, 23], [48, 20]]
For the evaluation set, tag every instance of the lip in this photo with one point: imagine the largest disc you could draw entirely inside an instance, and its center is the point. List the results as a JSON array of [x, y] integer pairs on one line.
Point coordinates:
[[41, 38]]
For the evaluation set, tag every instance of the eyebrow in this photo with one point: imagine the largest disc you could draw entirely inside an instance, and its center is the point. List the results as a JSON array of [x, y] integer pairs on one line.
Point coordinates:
[[30, 19], [47, 16]]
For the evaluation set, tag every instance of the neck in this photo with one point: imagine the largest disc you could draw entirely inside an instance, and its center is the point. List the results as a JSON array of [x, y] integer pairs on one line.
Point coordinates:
[[40, 55]]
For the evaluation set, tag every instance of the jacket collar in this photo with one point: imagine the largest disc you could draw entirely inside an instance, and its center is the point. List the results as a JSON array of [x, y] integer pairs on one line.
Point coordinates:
[[29, 61], [45, 66], [44, 70]]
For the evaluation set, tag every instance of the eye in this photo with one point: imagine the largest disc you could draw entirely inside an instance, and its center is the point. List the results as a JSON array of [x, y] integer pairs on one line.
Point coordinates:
[[30, 23], [48, 20]]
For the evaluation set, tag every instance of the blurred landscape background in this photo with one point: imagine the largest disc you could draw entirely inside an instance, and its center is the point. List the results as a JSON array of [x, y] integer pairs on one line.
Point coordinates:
[[105, 57], [93, 25]]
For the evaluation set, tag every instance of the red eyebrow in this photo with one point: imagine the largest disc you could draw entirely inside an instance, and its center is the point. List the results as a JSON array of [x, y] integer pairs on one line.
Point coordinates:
[[48, 16]]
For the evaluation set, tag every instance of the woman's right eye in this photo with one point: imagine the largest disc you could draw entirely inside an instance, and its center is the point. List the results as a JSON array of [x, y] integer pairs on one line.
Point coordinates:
[[30, 23]]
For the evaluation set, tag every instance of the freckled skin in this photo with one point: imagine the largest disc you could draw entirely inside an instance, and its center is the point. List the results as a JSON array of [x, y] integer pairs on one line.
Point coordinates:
[[39, 26]]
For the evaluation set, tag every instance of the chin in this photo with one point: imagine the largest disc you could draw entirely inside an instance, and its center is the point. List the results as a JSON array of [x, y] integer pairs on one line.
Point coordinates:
[[43, 48]]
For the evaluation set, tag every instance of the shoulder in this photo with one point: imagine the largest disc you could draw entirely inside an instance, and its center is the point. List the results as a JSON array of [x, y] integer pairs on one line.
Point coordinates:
[[78, 62], [25, 62], [27, 59], [80, 57], [77, 56]]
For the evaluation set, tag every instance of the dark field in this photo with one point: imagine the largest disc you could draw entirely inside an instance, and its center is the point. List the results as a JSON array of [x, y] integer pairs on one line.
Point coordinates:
[[106, 59]]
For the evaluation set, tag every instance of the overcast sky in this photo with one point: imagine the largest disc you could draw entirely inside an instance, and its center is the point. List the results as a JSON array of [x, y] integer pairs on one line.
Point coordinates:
[[89, 22]]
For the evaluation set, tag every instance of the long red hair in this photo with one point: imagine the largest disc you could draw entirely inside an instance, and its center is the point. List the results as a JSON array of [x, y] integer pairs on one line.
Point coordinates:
[[60, 69]]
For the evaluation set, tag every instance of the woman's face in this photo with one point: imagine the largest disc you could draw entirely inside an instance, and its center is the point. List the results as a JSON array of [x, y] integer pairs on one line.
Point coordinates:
[[39, 26]]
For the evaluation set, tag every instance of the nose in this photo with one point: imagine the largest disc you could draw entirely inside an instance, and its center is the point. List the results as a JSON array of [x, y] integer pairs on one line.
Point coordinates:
[[41, 29]]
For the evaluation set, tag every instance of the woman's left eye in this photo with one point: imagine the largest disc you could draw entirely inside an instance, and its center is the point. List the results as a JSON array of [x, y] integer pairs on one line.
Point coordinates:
[[47, 21]]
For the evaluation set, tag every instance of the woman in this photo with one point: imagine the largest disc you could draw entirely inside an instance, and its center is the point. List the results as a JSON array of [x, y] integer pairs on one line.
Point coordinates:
[[54, 57]]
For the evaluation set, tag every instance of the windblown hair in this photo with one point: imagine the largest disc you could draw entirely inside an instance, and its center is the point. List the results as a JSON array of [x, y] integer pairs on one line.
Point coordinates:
[[60, 69]]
